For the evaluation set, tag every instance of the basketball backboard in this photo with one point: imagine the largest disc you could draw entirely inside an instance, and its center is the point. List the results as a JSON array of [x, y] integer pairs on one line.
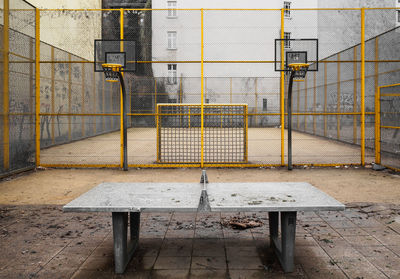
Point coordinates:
[[121, 52], [296, 51]]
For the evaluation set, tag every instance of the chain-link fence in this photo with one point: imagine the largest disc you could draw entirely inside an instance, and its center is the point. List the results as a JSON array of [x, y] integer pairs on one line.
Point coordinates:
[[388, 127], [214, 56], [17, 84]]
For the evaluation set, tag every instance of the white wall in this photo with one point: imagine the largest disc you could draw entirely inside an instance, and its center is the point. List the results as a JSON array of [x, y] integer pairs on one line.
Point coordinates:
[[71, 31], [228, 35]]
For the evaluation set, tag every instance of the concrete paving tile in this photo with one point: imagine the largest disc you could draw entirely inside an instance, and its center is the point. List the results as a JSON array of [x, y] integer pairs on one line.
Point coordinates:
[[340, 248], [63, 261], [208, 233], [176, 247], [305, 241], [105, 264], [316, 262], [77, 250], [184, 217], [394, 249], [237, 234], [332, 215], [250, 274], [367, 222], [243, 262], [172, 263], [351, 231], [208, 247], [316, 273], [241, 251], [209, 263], [103, 252], [175, 274], [141, 263], [18, 273], [139, 274], [385, 236], [92, 274], [375, 251], [59, 273], [359, 267], [172, 233], [208, 274], [310, 251], [362, 240], [231, 242], [382, 258], [340, 224]]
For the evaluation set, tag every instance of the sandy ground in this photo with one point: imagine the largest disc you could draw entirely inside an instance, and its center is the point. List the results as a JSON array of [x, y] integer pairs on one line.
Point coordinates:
[[59, 186], [264, 148]]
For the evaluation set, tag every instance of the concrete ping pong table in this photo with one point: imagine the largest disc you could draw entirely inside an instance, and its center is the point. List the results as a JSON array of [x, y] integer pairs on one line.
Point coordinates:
[[284, 198]]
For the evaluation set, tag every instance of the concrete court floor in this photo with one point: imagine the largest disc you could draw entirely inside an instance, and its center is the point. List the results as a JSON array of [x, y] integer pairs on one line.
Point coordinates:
[[264, 148]]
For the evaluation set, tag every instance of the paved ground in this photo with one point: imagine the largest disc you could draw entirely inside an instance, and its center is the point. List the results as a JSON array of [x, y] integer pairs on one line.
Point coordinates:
[[43, 242]]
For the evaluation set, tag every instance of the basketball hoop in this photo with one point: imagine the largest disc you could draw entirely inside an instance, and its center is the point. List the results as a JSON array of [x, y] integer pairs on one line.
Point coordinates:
[[111, 72], [299, 70]]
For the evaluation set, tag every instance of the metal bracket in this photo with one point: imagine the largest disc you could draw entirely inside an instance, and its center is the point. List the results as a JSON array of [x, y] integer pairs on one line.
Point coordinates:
[[204, 178], [204, 204]]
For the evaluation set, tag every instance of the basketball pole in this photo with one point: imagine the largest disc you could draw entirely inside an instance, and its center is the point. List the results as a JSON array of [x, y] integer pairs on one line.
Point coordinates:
[[124, 122], [289, 109]]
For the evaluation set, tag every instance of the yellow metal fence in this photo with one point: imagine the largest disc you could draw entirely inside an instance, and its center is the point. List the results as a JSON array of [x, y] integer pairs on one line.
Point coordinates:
[[74, 116]]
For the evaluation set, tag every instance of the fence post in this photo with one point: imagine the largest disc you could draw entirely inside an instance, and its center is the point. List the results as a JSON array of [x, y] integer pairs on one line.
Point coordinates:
[[256, 104], [37, 85], [122, 101], [69, 97], [325, 97], [282, 90], [338, 98], [6, 109], [355, 96], [83, 100], [52, 101], [315, 103], [363, 86], [202, 89], [378, 126], [377, 106], [305, 103]]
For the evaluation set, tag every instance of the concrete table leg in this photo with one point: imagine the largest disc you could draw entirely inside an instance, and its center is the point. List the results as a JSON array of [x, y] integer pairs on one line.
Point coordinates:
[[273, 218], [283, 249], [123, 250], [288, 231]]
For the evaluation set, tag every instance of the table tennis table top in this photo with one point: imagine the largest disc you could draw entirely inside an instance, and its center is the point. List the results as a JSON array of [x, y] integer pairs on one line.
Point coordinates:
[[159, 197]]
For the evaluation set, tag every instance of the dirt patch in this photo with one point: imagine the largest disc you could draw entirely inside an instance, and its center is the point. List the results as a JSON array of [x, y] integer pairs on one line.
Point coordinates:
[[59, 186]]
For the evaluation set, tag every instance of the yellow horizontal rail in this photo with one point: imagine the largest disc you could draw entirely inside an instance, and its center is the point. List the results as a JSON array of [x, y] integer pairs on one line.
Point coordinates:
[[390, 85], [190, 165], [80, 165], [79, 114], [216, 9], [391, 168], [221, 61], [390, 127], [390, 95]]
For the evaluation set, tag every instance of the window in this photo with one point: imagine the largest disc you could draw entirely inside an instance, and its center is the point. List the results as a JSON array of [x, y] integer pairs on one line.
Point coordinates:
[[171, 38], [172, 100], [207, 101], [286, 36], [172, 76], [171, 6], [398, 15], [265, 104], [286, 6]]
